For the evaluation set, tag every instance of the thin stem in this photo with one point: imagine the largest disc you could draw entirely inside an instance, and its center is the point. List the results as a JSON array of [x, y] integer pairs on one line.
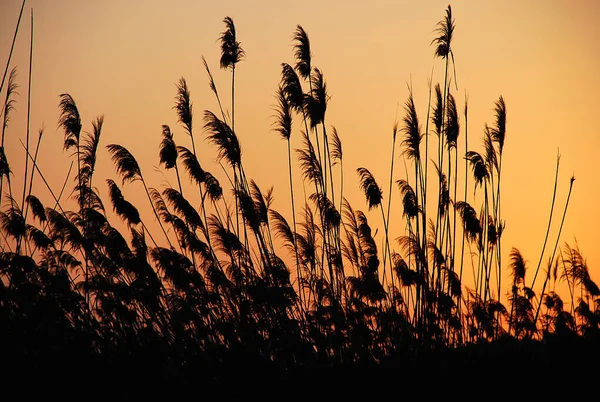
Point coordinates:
[[26, 206], [233, 98], [298, 268], [389, 205], [27, 129], [499, 233], [462, 252], [553, 253], [12, 46], [549, 222], [28, 113], [214, 88], [386, 251], [44, 179]]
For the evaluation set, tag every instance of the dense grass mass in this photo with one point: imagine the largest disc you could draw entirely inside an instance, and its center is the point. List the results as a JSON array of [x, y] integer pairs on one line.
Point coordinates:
[[218, 293]]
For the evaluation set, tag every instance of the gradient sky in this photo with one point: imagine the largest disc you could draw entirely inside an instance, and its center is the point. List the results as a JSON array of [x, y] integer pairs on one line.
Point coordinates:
[[123, 58]]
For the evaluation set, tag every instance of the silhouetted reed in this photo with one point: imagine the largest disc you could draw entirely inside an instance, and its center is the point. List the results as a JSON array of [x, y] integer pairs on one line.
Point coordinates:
[[239, 291]]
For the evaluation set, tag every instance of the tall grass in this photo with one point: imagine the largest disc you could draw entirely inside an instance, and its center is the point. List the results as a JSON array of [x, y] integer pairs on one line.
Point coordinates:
[[214, 294]]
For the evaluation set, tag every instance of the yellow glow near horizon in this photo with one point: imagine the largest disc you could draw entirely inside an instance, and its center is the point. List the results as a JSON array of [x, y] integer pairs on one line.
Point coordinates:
[[122, 59]]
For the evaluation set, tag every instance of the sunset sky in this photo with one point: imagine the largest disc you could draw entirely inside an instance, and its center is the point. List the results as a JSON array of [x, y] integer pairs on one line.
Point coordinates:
[[121, 59]]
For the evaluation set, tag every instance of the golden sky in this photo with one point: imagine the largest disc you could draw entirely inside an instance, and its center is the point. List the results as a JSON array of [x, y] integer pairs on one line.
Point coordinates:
[[123, 58]]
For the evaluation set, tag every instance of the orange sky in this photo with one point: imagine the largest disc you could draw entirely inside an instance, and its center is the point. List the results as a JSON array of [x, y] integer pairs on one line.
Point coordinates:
[[122, 59]]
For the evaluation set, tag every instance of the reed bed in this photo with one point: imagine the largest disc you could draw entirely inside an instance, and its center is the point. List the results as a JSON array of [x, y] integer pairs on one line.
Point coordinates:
[[216, 291]]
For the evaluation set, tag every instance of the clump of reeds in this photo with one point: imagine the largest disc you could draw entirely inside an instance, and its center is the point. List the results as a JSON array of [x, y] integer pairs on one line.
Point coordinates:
[[212, 292]]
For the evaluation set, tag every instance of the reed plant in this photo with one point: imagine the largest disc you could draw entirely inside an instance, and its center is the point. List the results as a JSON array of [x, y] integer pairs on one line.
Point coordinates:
[[216, 294]]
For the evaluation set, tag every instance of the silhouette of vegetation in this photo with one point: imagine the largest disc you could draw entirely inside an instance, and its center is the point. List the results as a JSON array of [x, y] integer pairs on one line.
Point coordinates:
[[234, 301]]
